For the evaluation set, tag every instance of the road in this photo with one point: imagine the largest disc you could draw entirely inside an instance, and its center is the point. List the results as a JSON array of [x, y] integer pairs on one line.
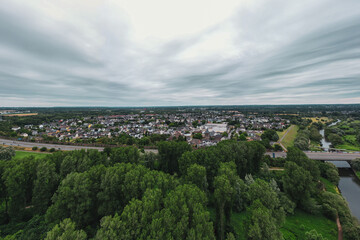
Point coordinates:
[[329, 156], [313, 155], [48, 146]]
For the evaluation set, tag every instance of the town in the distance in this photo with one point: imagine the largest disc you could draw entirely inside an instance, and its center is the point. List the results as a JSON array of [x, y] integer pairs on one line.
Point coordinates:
[[224, 172], [199, 126]]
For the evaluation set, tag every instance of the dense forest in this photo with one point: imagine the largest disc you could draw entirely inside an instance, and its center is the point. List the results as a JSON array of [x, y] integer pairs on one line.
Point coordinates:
[[179, 193]]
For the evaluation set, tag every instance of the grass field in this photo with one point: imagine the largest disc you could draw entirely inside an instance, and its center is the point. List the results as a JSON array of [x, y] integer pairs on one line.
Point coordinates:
[[298, 224], [329, 186], [350, 138], [322, 119], [295, 226], [20, 114], [288, 140], [348, 147], [281, 134], [22, 154], [350, 142]]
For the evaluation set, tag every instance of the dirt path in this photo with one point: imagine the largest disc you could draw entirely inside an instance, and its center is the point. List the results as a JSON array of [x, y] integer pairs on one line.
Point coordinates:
[[340, 233]]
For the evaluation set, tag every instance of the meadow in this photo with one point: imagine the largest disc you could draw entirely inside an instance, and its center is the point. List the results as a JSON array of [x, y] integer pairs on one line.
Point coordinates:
[[22, 154], [288, 140]]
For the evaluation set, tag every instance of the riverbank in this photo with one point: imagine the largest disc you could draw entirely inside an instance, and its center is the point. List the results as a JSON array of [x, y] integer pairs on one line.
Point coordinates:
[[357, 174], [349, 186]]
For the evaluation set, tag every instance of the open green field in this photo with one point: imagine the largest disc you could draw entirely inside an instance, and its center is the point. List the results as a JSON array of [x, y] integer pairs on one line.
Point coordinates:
[[298, 224], [281, 134], [350, 138], [350, 128], [289, 138], [316, 119], [348, 147], [22, 154], [350, 143], [295, 226]]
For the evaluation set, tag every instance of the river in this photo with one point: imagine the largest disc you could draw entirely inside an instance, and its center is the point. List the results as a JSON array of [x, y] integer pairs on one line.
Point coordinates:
[[324, 143], [349, 184]]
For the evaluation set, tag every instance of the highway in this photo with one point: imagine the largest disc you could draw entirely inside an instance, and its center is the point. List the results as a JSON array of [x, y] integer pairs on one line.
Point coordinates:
[[48, 146], [329, 156]]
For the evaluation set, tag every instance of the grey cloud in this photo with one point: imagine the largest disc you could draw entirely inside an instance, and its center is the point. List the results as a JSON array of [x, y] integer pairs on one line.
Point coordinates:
[[22, 35], [280, 60]]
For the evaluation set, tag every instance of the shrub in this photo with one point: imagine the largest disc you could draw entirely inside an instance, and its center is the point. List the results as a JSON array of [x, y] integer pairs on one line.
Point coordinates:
[[43, 149], [277, 148], [356, 164], [333, 176], [6, 153], [35, 148], [329, 211], [313, 235], [52, 150]]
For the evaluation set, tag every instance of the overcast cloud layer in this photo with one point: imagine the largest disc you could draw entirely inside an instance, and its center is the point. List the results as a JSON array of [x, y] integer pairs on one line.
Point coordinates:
[[167, 52]]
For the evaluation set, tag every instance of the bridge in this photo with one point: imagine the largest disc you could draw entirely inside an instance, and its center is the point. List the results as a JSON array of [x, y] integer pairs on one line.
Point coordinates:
[[324, 156]]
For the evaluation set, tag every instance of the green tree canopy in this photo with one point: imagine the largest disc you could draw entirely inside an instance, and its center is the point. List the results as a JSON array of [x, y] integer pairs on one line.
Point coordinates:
[[297, 182], [169, 153], [270, 134], [6, 153], [261, 224], [66, 230]]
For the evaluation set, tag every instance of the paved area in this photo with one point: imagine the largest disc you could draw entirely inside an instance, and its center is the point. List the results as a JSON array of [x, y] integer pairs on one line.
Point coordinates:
[[313, 155], [329, 156], [40, 145]]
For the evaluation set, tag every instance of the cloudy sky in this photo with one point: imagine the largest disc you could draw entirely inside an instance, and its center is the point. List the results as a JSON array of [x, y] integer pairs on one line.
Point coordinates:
[[179, 52]]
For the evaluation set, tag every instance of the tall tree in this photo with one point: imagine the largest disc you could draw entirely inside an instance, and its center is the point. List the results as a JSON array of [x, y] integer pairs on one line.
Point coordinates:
[[196, 174], [6, 153], [74, 198], [299, 157], [124, 155], [45, 185], [169, 153], [225, 185], [261, 224], [181, 214], [270, 134], [269, 198], [66, 230], [297, 182], [19, 177]]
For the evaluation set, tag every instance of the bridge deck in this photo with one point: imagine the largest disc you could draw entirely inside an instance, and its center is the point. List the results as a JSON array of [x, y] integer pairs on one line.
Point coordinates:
[[329, 156]]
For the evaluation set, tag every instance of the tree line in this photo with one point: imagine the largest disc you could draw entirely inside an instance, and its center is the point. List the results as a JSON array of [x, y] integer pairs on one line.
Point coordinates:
[[122, 193]]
